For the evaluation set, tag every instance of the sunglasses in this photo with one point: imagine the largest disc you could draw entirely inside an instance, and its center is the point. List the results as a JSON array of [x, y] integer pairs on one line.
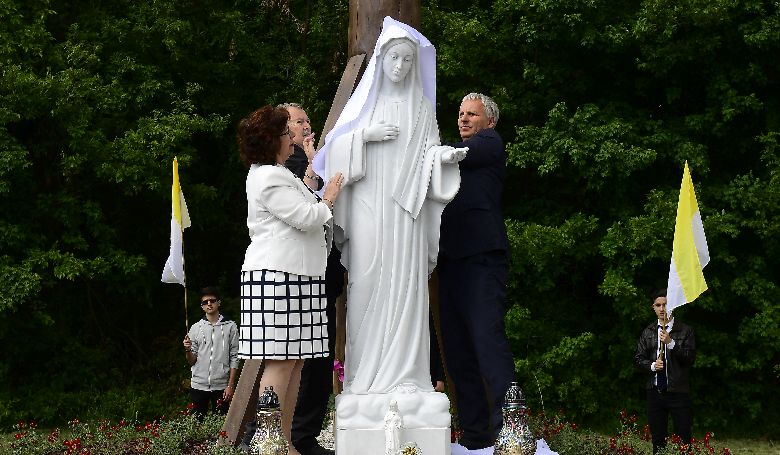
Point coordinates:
[[207, 301]]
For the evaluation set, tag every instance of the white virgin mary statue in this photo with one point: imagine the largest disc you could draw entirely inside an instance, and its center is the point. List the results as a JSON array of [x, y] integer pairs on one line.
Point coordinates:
[[397, 180]]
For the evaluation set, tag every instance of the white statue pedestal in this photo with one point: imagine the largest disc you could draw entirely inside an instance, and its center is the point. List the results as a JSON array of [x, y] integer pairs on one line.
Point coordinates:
[[360, 423], [431, 441]]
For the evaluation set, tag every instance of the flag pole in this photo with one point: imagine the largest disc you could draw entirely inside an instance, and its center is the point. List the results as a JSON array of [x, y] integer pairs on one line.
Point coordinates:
[[662, 351], [186, 316], [184, 285]]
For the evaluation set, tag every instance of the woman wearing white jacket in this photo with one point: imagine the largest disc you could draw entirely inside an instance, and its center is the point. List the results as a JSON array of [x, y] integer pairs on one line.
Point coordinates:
[[283, 318]]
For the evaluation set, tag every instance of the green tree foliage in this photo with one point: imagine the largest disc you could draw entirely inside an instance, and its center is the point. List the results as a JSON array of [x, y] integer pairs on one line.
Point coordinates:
[[602, 102], [96, 98]]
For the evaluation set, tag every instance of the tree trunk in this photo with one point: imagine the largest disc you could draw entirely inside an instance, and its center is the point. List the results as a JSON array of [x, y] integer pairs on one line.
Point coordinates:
[[365, 21]]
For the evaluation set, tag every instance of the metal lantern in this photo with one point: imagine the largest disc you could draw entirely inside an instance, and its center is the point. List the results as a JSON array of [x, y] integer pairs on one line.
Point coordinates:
[[515, 437], [268, 439]]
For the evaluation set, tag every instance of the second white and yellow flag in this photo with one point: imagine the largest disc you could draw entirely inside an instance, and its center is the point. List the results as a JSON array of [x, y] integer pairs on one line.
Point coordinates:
[[690, 253]]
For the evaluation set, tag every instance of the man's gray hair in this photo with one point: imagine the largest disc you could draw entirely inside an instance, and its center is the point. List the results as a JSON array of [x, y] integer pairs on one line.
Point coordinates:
[[491, 108], [287, 105]]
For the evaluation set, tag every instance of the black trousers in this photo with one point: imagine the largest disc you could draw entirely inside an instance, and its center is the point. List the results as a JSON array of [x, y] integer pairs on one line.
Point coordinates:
[[317, 374], [201, 398], [472, 294], [660, 405]]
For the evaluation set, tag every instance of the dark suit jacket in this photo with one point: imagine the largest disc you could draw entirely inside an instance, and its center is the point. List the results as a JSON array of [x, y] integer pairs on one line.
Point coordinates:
[[472, 223], [298, 162], [678, 361]]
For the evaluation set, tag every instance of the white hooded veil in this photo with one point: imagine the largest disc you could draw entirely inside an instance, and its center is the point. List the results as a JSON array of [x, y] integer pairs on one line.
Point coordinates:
[[364, 96]]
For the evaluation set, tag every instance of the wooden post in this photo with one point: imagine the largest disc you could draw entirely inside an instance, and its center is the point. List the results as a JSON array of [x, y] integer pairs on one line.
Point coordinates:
[[346, 86], [244, 402], [365, 21]]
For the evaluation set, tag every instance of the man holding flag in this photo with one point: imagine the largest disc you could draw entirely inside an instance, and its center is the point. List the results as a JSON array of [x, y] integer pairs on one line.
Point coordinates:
[[667, 349], [665, 352]]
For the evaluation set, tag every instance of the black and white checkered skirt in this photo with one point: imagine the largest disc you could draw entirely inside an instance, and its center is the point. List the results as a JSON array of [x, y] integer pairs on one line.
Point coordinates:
[[282, 316]]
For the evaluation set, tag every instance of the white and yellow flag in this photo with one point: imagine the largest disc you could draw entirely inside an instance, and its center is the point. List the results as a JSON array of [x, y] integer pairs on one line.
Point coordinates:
[[180, 220], [689, 253]]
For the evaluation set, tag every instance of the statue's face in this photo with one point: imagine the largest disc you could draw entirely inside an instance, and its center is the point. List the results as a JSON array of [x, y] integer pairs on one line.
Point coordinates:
[[398, 60]]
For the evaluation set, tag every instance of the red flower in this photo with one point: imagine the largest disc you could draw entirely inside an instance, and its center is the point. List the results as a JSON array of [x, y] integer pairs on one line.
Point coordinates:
[[338, 367]]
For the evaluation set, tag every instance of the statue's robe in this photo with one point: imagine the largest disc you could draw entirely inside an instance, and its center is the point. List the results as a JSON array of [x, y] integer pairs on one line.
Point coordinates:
[[388, 216]]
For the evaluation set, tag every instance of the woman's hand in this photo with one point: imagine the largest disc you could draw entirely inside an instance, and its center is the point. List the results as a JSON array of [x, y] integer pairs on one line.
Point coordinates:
[[380, 132], [332, 189]]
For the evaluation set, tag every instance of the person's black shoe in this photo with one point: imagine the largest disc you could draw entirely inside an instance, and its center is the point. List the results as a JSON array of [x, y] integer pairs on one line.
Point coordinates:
[[316, 449]]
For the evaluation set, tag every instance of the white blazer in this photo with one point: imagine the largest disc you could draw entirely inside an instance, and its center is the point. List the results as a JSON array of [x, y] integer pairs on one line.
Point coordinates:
[[290, 231]]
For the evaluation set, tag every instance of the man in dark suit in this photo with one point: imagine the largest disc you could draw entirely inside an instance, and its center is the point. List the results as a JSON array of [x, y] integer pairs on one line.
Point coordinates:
[[473, 266], [303, 146], [665, 353]]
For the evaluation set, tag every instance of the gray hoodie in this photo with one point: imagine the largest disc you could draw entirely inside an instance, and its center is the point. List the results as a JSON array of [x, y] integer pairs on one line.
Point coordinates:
[[217, 349]]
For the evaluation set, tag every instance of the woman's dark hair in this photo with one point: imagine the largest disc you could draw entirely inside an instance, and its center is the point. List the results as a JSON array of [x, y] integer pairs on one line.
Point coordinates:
[[259, 135]]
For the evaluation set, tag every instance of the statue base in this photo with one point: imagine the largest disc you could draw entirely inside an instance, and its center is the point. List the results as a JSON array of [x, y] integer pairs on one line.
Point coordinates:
[[431, 441], [360, 426]]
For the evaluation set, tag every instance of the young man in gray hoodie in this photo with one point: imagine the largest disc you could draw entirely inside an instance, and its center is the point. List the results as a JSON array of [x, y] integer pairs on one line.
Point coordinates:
[[211, 348]]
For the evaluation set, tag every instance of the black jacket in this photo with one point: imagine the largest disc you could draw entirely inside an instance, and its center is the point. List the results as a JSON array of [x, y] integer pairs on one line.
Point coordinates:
[[472, 223], [298, 162], [678, 361]]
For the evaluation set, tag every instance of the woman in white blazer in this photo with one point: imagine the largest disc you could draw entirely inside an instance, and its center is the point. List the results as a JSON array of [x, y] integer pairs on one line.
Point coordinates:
[[283, 301]]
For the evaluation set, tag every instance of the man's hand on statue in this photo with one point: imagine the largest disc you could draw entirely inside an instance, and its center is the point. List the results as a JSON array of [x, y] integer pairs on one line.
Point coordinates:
[[454, 155], [659, 365], [380, 132]]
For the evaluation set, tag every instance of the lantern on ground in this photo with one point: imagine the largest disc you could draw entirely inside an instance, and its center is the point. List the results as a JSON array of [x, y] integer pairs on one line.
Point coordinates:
[[515, 437], [268, 439]]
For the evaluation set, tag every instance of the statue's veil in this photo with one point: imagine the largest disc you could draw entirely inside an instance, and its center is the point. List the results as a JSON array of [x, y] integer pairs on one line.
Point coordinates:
[[364, 97]]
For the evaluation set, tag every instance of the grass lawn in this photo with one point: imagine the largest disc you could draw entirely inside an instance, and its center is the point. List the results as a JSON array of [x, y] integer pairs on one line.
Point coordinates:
[[752, 446]]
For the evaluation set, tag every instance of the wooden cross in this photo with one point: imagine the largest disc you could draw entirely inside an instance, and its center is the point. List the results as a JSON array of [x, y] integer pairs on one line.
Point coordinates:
[[365, 24]]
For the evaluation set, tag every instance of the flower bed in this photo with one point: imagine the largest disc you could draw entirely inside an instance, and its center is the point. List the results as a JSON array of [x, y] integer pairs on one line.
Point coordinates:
[[184, 434]]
